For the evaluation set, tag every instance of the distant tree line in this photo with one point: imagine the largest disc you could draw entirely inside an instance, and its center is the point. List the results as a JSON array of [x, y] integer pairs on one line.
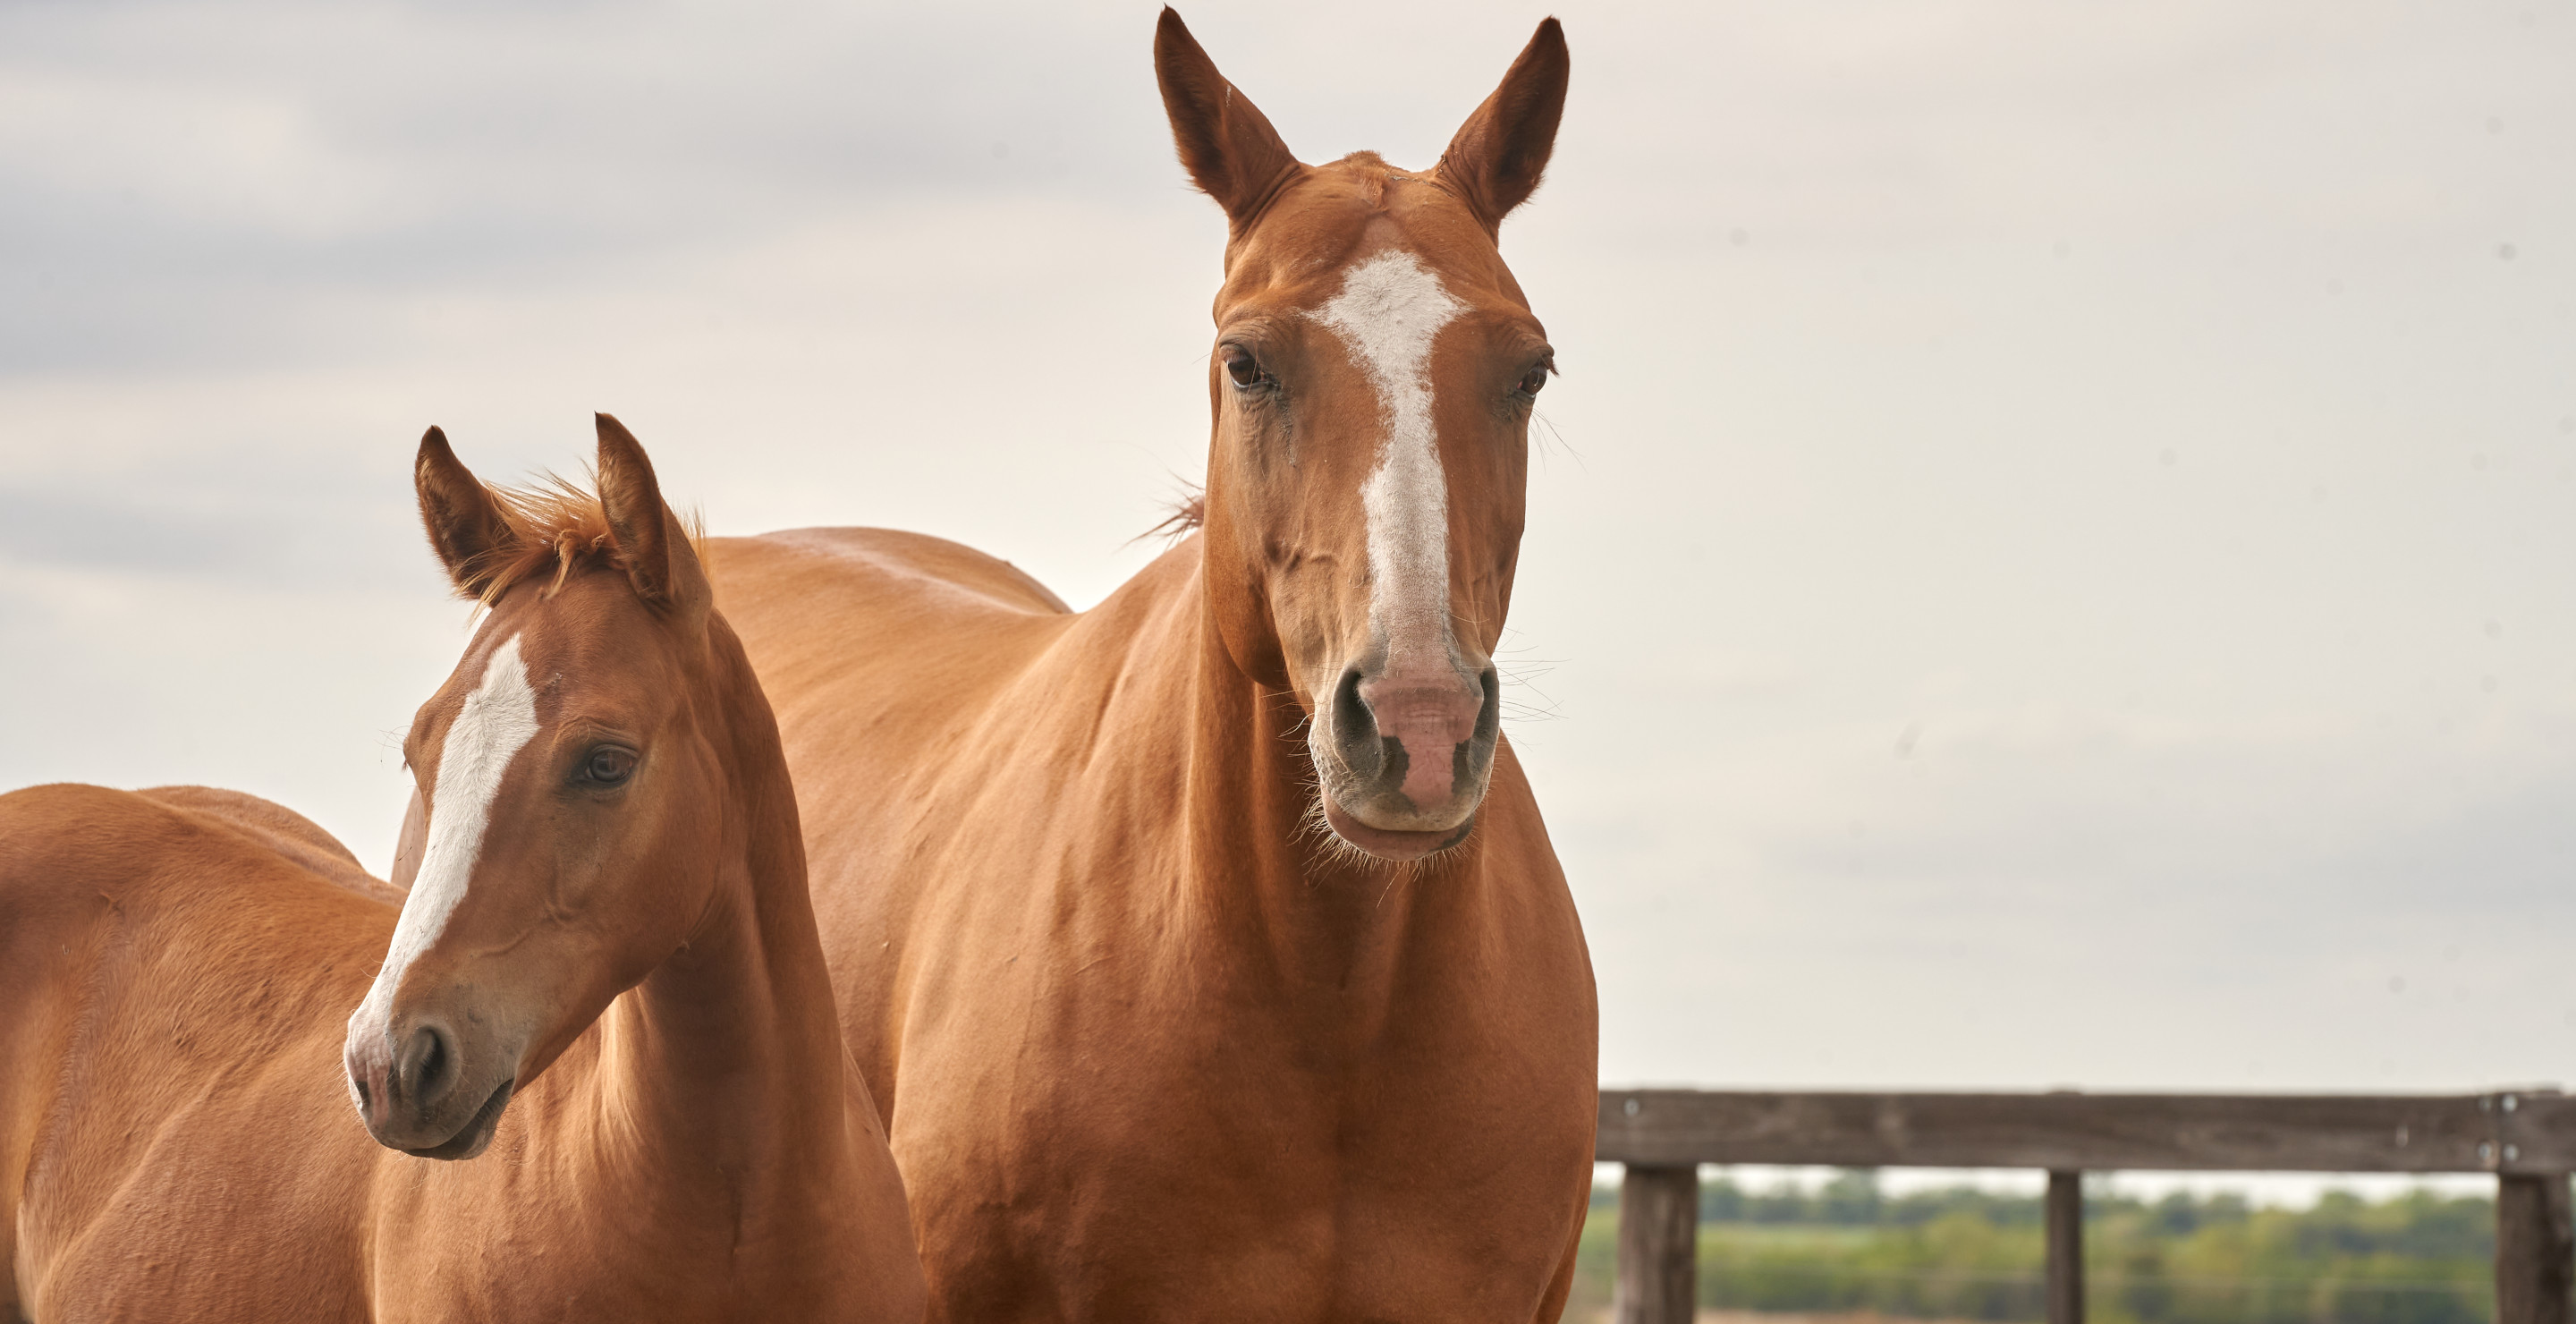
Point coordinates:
[[1968, 1254]]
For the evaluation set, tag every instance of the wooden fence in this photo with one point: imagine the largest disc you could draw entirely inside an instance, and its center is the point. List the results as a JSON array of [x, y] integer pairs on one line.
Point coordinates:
[[2525, 1139]]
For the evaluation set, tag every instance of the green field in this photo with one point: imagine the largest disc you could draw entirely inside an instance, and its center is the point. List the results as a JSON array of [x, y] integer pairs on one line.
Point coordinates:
[[2419, 1258]]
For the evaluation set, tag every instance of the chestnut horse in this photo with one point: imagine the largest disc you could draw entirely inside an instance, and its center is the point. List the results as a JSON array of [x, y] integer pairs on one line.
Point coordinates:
[[609, 938], [1205, 948]]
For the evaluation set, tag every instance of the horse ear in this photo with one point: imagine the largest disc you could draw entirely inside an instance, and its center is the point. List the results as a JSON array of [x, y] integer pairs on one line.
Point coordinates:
[[1502, 149], [659, 560], [466, 527], [1226, 144]]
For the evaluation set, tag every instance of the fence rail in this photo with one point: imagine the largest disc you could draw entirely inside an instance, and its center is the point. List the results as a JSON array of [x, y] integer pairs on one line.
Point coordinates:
[[2526, 1139]]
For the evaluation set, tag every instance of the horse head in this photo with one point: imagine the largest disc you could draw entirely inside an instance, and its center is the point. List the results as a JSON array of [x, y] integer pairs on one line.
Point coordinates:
[[572, 800], [1374, 373]]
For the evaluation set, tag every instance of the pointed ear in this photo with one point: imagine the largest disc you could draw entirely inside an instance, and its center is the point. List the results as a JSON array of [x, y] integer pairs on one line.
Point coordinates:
[[1502, 149], [659, 560], [1226, 143], [465, 523]]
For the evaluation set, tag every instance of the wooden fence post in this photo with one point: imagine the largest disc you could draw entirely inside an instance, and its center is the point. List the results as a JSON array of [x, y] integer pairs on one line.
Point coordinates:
[[2535, 1249], [1658, 1246], [2065, 1216]]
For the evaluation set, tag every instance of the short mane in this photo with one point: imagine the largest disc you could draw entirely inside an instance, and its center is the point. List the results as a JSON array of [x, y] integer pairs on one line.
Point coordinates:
[[556, 528], [1188, 512]]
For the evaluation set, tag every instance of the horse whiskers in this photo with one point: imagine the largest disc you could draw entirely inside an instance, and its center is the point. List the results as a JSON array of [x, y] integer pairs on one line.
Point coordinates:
[[1326, 849]]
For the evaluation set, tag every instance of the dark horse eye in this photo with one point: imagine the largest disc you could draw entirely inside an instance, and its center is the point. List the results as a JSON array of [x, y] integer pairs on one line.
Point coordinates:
[[608, 765], [1532, 380], [1241, 366]]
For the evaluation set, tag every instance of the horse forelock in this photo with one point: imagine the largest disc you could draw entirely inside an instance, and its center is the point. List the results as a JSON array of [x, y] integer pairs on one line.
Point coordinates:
[[556, 530]]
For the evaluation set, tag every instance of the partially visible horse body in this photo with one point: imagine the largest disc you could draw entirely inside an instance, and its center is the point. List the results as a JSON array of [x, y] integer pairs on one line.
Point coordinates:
[[608, 976], [1205, 949]]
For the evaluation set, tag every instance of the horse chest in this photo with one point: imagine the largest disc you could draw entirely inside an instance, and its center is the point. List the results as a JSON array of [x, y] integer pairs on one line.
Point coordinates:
[[1343, 1140]]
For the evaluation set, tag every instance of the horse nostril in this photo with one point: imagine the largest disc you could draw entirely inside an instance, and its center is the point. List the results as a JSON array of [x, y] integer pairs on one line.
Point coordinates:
[[1352, 720], [1355, 727], [427, 1069]]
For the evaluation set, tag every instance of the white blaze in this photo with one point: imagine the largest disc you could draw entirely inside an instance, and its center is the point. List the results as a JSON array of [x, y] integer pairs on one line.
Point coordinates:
[[498, 719], [1390, 309]]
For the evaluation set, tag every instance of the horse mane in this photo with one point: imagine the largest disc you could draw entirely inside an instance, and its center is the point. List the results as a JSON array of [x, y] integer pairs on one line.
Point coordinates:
[[1187, 514], [556, 528], [1371, 172]]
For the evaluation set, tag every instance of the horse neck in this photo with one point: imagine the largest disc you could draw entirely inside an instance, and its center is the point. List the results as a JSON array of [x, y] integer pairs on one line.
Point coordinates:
[[1322, 916], [725, 1066]]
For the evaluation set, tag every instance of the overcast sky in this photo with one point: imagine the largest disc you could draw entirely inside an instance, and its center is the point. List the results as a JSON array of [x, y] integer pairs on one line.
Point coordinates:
[[2049, 564]]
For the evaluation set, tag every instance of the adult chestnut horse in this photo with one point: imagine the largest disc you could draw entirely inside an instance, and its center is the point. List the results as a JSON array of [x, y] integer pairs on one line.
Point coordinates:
[[609, 937], [1205, 947]]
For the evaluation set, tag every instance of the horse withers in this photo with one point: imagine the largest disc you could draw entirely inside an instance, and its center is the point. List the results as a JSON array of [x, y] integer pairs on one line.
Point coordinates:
[[604, 988], [1206, 948]]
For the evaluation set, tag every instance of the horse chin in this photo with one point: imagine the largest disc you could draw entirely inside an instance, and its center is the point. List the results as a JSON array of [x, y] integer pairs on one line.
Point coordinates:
[[477, 1132], [1386, 844]]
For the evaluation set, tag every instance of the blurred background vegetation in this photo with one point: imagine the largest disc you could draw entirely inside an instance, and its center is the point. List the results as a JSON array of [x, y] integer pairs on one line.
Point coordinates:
[[1844, 1246]]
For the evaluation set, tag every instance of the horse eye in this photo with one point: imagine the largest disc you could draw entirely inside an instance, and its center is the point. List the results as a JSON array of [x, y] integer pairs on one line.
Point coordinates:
[[1532, 380], [1242, 367], [608, 765]]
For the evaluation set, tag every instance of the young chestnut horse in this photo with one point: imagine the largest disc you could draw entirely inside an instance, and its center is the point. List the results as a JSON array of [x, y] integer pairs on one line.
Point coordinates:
[[609, 936], [1206, 948]]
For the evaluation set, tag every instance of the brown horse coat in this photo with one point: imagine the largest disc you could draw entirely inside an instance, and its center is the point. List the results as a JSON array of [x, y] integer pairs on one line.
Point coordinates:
[[683, 1138], [1155, 1042]]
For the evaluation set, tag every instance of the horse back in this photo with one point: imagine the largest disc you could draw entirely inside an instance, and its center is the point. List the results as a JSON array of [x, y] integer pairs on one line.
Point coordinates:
[[290, 834], [875, 646], [874, 574]]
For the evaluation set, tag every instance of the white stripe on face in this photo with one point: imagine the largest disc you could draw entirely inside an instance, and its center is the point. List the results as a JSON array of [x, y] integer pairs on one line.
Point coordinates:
[[498, 720], [1390, 309]]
